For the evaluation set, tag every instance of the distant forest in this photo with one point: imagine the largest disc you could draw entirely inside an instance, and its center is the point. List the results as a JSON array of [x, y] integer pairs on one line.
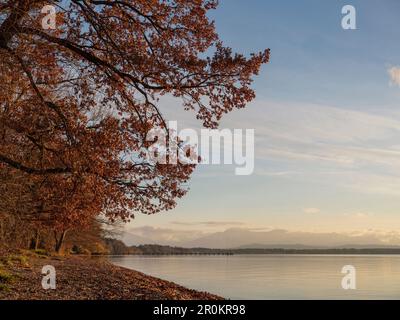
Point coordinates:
[[117, 247]]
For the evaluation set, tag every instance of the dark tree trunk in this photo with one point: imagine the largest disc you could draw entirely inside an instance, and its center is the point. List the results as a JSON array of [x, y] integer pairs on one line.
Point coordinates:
[[34, 241], [37, 239], [59, 240], [9, 26]]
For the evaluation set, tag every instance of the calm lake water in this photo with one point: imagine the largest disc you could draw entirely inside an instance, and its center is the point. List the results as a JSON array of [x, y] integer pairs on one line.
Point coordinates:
[[275, 276]]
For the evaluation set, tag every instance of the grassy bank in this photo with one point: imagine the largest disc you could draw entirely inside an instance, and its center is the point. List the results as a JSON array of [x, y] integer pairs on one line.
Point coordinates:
[[82, 278]]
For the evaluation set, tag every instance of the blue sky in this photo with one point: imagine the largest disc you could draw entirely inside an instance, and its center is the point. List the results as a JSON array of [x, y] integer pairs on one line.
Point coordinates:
[[326, 120]]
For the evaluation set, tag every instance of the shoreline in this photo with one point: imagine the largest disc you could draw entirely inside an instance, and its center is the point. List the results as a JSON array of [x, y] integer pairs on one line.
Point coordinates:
[[80, 278]]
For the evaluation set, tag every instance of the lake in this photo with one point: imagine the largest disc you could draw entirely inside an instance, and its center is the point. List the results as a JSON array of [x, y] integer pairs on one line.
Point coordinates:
[[275, 276]]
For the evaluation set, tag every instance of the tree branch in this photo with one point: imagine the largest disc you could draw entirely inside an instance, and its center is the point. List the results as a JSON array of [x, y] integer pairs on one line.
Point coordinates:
[[30, 170]]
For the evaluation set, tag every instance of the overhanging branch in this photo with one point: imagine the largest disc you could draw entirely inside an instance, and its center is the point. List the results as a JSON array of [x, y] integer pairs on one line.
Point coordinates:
[[31, 170]]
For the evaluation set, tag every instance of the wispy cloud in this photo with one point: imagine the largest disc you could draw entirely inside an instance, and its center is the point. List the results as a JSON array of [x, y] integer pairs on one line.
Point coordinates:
[[269, 173], [359, 214], [336, 146], [311, 210], [394, 73], [209, 223]]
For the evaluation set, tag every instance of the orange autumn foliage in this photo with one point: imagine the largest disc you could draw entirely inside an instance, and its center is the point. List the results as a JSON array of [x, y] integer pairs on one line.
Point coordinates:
[[77, 102]]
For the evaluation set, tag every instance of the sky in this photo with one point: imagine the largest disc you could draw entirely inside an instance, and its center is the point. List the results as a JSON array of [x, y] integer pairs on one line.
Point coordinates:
[[326, 120]]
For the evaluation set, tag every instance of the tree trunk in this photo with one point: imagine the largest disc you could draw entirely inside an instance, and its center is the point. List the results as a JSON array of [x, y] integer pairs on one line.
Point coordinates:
[[59, 240], [37, 239], [2, 237], [8, 27]]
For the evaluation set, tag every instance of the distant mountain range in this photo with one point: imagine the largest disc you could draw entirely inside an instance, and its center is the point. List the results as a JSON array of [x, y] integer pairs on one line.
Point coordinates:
[[238, 238], [131, 239]]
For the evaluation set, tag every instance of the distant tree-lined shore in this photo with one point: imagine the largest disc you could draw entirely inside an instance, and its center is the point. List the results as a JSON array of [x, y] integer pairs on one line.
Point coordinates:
[[117, 247]]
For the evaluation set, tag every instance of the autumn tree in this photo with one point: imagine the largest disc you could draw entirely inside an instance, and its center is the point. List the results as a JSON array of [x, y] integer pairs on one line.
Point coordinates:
[[77, 101]]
